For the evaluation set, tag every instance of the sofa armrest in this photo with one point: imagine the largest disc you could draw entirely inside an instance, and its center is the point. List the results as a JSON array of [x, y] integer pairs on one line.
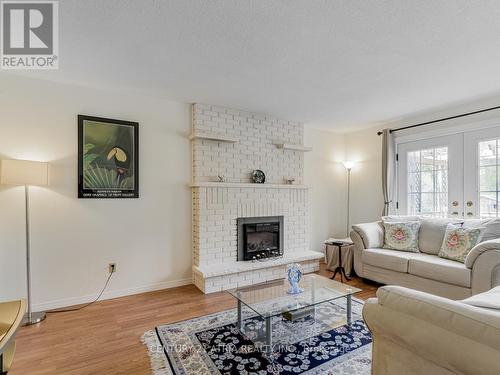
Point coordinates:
[[372, 234], [359, 246], [484, 260], [437, 329], [480, 248]]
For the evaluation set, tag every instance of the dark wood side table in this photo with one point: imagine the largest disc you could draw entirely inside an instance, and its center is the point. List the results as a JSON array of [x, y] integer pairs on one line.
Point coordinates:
[[340, 269]]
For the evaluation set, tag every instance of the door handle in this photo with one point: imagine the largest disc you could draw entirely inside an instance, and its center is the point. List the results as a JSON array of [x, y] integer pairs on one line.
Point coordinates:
[[470, 203], [470, 213], [455, 204]]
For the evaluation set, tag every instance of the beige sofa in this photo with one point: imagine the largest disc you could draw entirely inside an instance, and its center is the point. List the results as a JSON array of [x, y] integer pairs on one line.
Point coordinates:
[[418, 333], [426, 271]]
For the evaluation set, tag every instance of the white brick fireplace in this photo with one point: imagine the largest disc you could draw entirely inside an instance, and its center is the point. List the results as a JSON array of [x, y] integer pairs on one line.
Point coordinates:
[[232, 143]]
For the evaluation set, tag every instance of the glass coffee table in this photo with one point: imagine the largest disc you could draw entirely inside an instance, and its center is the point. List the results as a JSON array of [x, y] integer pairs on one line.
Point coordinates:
[[271, 299]]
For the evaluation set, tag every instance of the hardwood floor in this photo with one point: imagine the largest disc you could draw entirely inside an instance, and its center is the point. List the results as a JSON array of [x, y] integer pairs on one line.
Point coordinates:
[[104, 338]]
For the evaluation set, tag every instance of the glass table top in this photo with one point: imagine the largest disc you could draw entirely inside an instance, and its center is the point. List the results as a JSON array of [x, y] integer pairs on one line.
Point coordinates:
[[271, 298]]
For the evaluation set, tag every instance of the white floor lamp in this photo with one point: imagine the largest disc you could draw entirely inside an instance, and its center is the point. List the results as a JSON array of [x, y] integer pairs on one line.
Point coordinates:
[[27, 173], [348, 166]]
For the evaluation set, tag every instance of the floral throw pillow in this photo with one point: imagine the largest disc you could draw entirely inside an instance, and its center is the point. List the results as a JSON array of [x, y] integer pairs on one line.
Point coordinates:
[[402, 236], [458, 242]]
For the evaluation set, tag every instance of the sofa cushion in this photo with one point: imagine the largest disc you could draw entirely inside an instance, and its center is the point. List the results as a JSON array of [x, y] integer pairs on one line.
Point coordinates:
[[372, 234], [394, 260], [402, 236], [432, 233], [492, 227], [440, 269], [458, 242]]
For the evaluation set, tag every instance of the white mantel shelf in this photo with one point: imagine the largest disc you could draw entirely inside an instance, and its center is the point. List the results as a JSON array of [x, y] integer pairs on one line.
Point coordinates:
[[248, 185], [214, 137], [288, 146], [236, 267]]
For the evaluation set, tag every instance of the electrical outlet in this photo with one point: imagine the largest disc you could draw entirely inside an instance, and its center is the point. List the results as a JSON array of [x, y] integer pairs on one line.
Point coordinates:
[[112, 267]]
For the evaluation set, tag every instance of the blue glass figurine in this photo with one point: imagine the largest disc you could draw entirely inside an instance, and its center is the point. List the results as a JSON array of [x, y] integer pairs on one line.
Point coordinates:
[[294, 274]]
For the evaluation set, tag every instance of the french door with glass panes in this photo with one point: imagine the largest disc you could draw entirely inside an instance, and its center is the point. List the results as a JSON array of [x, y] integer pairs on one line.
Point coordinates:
[[451, 176], [430, 176]]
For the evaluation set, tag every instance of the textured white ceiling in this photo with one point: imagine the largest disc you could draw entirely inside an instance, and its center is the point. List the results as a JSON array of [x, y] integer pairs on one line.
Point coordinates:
[[338, 64]]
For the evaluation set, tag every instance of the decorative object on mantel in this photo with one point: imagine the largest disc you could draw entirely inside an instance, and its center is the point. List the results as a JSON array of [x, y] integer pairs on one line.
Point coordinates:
[[294, 274], [217, 137], [108, 158], [288, 146], [221, 178], [258, 176], [290, 180]]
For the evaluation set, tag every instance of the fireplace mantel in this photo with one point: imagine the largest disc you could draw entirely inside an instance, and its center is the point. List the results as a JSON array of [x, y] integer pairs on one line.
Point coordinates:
[[248, 185]]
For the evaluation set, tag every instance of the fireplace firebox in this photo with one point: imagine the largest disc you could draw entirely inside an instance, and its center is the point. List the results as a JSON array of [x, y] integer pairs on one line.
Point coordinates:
[[260, 238]]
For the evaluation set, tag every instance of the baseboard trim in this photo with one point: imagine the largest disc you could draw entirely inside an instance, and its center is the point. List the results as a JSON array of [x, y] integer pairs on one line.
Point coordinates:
[[72, 301]]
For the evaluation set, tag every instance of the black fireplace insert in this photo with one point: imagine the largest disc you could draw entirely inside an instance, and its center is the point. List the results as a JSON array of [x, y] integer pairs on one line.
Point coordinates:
[[260, 238]]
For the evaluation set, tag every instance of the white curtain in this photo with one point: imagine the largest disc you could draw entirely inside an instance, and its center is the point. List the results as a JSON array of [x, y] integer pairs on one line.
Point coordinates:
[[388, 171]]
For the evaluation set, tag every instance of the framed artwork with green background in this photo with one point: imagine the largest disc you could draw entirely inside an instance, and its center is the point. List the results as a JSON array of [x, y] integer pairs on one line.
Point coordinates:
[[108, 158]]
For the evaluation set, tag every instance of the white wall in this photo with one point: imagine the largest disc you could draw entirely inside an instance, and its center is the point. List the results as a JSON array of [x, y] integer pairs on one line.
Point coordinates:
[[326, 174], [74, 240], [471, 122], [365, 148]]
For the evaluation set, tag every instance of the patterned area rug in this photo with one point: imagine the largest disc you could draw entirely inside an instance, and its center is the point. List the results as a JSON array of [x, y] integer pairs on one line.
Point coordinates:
[[317, 344]]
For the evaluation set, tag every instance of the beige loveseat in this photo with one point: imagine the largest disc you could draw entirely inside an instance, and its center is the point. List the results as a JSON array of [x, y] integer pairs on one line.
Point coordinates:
[[426, 271], [421, 334]]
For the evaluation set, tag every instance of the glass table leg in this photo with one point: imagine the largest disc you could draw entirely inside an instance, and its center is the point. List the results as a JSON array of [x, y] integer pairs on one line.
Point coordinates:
[[240, 320], [349, 310], [269, 336]]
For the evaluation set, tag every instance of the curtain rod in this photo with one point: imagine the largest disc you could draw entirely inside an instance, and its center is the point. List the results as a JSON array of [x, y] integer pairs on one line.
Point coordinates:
[[439, 120]]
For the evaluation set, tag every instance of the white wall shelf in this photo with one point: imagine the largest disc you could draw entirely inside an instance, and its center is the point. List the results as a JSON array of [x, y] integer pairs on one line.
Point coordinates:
[[289, 146], [248, 185], [214, 137]]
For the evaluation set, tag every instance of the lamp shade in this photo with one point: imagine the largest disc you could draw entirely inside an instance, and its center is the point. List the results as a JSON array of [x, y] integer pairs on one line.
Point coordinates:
[[348, 164], [24, 172]]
